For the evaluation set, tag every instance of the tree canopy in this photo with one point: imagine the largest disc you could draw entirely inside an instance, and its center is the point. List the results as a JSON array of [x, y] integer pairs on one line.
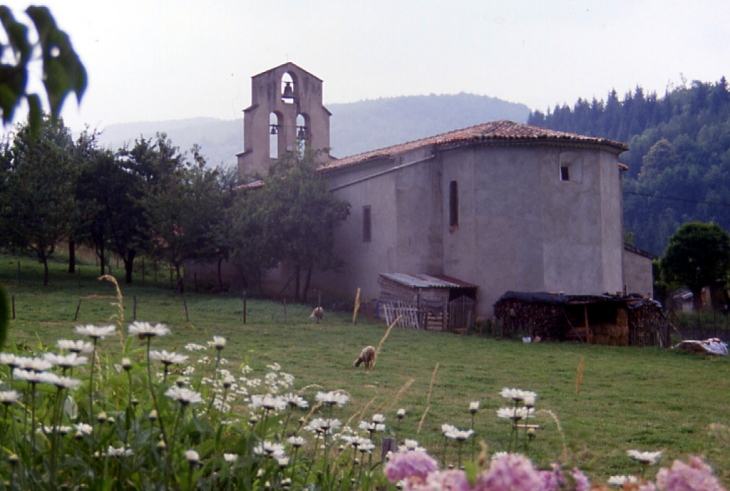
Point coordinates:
[[698, 255]]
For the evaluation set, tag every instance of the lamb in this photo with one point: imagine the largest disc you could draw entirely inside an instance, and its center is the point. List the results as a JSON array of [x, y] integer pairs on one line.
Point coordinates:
[[367, 356], [317, 314]]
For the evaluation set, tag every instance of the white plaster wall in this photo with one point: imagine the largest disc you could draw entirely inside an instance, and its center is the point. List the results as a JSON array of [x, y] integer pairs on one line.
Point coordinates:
[[638, 276]]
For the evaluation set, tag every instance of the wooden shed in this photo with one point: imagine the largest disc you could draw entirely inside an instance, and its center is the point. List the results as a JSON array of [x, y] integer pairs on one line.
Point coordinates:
[[427, 302], [622, 320]]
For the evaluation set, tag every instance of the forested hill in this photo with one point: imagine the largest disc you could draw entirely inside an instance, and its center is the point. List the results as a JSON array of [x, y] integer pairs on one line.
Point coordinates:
[[678, 158], [354, 128]]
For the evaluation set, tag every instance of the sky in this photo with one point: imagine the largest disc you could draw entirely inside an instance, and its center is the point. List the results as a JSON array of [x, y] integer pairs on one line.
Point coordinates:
[[155, 60]]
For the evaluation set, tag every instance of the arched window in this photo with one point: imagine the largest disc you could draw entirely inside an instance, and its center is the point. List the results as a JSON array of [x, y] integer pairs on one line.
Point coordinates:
[[274, 129], [302, 134], [287, 88]]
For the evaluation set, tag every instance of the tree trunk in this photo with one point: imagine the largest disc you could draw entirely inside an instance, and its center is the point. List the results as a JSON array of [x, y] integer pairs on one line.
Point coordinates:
[[307, 282], [71, 256], [180, 283], [128, 266], [45, 271], [697, 300], [102, 253], [220, 276], [297, 280]]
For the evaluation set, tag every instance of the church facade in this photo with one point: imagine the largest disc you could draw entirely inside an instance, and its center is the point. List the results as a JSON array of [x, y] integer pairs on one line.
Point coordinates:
[[502, 205]]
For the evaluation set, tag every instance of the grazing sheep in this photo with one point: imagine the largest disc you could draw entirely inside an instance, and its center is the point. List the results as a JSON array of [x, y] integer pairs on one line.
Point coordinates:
[[317, 314], [367, 356]]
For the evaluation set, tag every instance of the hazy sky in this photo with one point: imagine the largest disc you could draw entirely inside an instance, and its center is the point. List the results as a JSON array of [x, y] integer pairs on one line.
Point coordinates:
[[151, 60]]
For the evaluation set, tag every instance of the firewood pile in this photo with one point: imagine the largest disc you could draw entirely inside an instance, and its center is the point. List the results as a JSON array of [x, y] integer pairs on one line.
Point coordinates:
[[648, 325], [517, 318], [601, 319]]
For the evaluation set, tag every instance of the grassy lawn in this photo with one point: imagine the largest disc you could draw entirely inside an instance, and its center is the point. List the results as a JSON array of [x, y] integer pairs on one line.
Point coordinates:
[[629, 398]]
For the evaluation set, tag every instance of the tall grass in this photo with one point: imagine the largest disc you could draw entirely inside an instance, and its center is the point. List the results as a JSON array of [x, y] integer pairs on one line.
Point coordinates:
[[642, 398]]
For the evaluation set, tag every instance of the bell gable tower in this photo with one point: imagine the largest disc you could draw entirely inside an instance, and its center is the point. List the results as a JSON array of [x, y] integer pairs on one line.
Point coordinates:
[[286, 115]]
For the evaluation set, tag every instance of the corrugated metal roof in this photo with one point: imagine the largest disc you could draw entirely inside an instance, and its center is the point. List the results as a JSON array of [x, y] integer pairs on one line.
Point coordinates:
[[426, 281], [494, 132]]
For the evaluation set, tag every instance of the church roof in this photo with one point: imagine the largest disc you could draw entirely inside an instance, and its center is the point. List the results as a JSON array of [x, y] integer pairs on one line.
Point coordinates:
[[496, 132]]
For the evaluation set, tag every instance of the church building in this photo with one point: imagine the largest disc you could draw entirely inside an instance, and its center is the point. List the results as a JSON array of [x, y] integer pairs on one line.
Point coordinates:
[[497, 207]]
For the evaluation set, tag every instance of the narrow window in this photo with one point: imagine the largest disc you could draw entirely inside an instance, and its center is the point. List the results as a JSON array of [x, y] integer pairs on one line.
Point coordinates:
[[274, 129], [367, 223], [564, 173], [453, 204]]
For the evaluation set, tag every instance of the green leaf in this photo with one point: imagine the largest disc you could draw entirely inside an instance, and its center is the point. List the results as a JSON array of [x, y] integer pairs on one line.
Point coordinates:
[[63, 71]]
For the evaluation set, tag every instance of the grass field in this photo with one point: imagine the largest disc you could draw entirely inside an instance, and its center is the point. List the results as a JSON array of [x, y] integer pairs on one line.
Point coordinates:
[[629, 398]]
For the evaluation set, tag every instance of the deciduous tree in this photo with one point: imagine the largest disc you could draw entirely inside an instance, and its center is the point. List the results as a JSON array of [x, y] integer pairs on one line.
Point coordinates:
[[698, 255], [39, 197]]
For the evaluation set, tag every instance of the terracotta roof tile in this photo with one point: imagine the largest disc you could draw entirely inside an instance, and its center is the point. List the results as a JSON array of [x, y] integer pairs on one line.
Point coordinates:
[[496, 131]]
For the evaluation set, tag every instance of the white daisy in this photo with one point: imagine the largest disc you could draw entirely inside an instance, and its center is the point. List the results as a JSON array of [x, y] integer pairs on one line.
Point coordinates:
[[517, 394], [621, 480], [83, 428], [411, 445], [10, 360], [269, 449], [367, 447], [184, 396], [515, 413], [195, 347], [473, 406], [268, 402], [378, 418], [63, 382], [448, 429], [75, 346], [230, 457], [70, 360], [35, 364], [218, 342], [646, 458], [167, 357], [401, 413], [119, 452], [332, 398], [31, 376], [321, 425], [145, 330], [371, 426], [95, 332], [192, 456], [296, 441], [8, 397]]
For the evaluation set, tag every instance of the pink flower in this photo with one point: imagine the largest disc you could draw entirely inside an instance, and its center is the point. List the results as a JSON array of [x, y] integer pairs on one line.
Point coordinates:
[[560, 480], [411, 464], [448, 481], [513, 472], [692, 476]]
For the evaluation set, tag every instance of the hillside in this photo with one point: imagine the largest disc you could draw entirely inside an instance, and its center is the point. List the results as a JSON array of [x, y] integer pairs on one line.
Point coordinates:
[[355, 127]]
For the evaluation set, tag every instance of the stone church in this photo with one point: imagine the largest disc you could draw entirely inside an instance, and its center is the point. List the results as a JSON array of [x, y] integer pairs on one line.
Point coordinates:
[[497, 207]]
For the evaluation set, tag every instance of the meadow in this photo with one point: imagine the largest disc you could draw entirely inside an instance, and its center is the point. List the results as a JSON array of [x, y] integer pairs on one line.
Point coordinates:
[[594, 402]]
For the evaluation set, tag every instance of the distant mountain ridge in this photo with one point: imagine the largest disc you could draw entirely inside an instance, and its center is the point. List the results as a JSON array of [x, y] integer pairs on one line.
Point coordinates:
[[354, 127]]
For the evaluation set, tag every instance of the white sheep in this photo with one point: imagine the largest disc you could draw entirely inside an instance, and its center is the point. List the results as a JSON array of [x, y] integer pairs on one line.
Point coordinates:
[[317, 314], [367, 356]]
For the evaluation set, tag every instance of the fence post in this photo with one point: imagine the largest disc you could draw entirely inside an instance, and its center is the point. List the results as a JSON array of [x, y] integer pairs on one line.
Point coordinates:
[[78, 307]]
